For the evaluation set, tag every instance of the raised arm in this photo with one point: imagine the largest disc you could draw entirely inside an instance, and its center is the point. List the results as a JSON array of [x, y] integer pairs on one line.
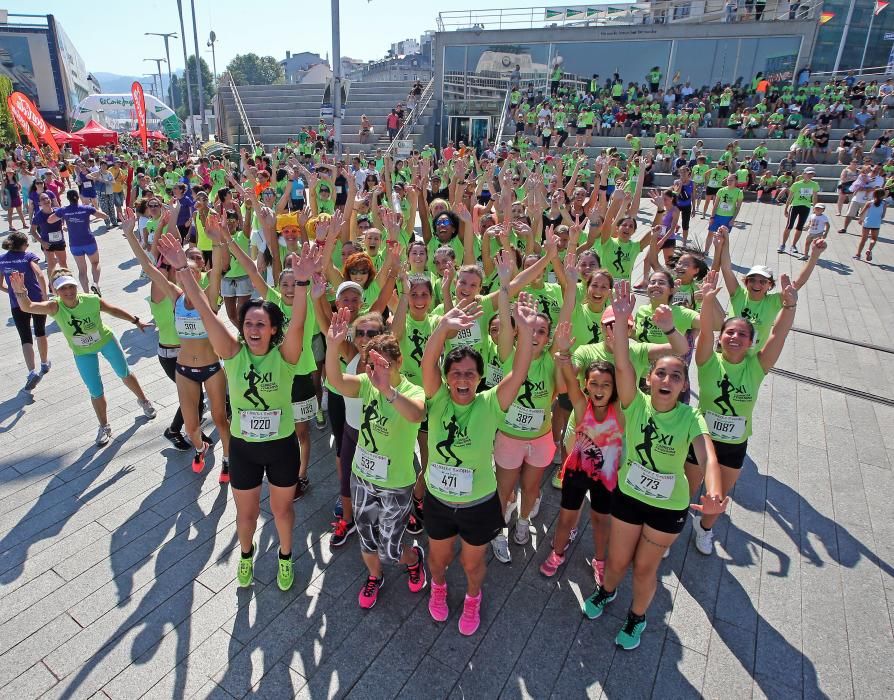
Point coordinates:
[[562, 342], [625, 376], [505, 336], [524, 314], [303, 269], [704, 346], [816, 249], [451, 323], [154, 274], [770, 353], [44, 308], [345, 384], [224, 342]]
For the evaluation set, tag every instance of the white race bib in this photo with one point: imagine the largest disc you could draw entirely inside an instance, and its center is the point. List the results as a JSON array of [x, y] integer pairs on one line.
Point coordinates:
[[682, 298], [806, 192], [450, 480], [303, 411], [55, 236], [371, 465], [259, 425], [86, 340], [493, 375], [726, 427], [188, 327], [527, 419], [467, 336], [650, 483]]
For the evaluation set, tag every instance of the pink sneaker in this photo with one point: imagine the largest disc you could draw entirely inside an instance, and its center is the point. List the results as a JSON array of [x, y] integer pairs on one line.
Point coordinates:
[[417, 580], [552, 564], [437, 602], [598, 570], [370, 591], [471, 617]]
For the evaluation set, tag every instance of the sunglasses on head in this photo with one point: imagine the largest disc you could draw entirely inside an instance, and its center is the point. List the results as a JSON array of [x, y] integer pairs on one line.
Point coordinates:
[[371, 333]]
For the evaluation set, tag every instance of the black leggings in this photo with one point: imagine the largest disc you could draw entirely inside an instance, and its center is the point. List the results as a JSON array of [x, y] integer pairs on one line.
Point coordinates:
[[23, 321], [685, 214], [168, 364]]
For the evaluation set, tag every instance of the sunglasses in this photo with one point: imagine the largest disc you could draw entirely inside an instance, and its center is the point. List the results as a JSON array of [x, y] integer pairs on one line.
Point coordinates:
[[360, 333], [358, 271], [443, 223]]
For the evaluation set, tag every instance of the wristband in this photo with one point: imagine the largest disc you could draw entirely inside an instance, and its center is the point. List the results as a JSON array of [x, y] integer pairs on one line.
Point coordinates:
[[670, 332], [181, 269], [393, 397], [299, 283], [136, 320], [789, 306]]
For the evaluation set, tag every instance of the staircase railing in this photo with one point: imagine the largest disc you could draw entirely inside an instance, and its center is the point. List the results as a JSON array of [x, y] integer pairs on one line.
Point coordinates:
[[240, 108], [413, 117], [540, 83], [498, 136]]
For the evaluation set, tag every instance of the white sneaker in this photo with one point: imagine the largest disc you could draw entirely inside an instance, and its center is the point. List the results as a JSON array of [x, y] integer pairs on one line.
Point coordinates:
[[511, 506], [780, 249], [103, 435], [793, 250], [704, 539], [522, 534], [148, 408], [500, 545], [535, 511]]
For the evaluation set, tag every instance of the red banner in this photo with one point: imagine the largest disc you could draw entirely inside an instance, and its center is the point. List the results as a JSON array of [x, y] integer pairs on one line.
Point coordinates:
[[23, 108], [139, 105], [22, 121], [879, 6]]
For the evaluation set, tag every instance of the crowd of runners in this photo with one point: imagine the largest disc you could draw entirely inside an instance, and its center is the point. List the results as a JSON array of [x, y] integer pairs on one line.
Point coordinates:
[[462, 321]]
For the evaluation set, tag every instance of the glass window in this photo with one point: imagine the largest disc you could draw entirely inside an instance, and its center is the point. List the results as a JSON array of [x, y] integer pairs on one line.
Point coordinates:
[[632, 60], [704, 62], [499, 60], [772, 56]]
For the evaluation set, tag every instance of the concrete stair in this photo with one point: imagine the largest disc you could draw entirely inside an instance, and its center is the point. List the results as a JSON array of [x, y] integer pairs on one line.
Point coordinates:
[[277, 113]]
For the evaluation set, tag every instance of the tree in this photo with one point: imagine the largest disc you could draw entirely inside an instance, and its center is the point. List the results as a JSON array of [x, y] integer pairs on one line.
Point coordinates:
[[179, 87], [7, 129], [251, 69]]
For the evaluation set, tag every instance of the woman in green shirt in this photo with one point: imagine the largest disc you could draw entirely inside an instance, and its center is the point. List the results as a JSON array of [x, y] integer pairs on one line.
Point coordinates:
[[461, 497], [79, 317], [260, 363], [649, 505], [382, 473], [729, 381]]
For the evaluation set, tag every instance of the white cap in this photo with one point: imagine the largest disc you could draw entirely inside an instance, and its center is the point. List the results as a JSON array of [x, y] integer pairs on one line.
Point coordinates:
[[344, 286], [760, 271], [64, 280]]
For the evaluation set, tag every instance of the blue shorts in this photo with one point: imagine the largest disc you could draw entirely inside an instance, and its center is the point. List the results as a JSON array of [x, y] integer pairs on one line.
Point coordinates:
[[717, 221], [88, 249], [88, 193], [88, 366]]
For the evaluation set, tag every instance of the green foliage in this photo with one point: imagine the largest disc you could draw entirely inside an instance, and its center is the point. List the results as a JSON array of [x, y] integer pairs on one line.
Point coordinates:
[[178, 85], [251, 69], [7, 130]]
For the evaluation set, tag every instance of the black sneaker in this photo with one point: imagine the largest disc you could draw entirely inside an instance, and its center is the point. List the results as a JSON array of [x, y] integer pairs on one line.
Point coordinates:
[[414, 525], [208, 439], [304, 483], [177, 440], [341, 531], [95, 289]]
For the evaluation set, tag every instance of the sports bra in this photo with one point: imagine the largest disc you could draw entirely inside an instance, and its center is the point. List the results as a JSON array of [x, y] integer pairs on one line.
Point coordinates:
[[188, 323]]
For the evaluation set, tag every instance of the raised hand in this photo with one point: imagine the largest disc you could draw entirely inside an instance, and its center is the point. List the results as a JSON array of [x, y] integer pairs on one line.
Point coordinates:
[[623, 302], [525, 311], [171, 248], [570, 267], [461, 317], [504, 267], [818, 246], [463, 213], [711, 505], [318, 285], [308, 263], [378, 369], [129, 223], [709, 288], [663, 317], [339, 325], [17, 282], [551, 243], [562, 339], [788, 290]]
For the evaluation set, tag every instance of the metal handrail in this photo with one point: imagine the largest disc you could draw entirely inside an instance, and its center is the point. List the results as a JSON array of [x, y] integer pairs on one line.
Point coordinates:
[[413, 116], [502, 125], [538, 82], [240, 108]]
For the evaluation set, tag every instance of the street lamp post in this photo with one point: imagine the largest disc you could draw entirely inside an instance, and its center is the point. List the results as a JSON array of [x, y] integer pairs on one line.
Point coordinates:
[[167, 36], [161, 84], [195, 38], [211, 39], [190, 123], [336, 79]]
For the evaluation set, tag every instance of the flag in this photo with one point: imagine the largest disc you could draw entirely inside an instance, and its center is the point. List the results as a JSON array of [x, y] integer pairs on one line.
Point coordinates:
[[25, 112], [550, 14], [826, 16], [139, 105], [572, 12], [879, 6], [592, 11], [22, 121]]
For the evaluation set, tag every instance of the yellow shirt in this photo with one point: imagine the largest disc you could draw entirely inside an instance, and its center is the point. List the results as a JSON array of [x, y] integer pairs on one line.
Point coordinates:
[[120, 175]]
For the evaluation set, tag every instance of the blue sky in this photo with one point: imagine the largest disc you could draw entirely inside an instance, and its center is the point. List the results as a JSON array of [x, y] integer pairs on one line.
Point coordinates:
[[109, 35]]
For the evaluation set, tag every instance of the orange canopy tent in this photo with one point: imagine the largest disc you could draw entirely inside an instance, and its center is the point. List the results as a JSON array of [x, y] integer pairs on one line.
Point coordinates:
[[65, 137], [95, 134], [154, 135]]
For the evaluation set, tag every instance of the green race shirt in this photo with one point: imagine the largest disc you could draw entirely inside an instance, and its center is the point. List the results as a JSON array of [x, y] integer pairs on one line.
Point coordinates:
[[461, 446], [645, 331], [412, 345], [585, 355], [306, 362], [530, 415], [698, 173], [803, 191], [656, 445], [82, 325], [236, 269], [727, 394], [586, 326], [717, 176], [163, 315], [260, 390], [761, 313], [728, 199], [618, 256]]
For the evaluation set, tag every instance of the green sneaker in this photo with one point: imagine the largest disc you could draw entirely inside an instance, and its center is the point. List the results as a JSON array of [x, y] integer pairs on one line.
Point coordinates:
[[595, 604], [246, 569], [629, 635], [556, 481], [286, 576]]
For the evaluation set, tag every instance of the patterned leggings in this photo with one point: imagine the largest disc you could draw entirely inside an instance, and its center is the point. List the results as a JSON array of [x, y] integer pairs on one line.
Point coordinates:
[[381, 516]]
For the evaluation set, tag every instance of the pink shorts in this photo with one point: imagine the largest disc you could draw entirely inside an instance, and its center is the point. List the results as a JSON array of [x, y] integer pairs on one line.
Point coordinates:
[[510, 452]]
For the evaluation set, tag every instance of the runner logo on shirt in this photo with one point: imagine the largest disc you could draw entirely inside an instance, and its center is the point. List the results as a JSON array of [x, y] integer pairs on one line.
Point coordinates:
[[724, 401], [255, 380], [455, 435], [418, 340], [654, 439]]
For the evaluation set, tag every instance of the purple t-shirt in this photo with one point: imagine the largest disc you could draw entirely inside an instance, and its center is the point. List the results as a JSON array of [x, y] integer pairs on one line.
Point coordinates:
[[186, 206], [77, 217], [45, 229], [20, 261]]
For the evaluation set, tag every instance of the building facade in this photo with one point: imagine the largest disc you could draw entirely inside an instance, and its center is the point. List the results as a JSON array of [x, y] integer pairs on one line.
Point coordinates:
[[859, 38]]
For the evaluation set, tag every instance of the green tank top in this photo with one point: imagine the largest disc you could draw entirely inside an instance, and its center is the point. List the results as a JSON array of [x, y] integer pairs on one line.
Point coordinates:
[[163, 315], [202, 241], [260, 395], [82, 326], [306, 363], [236, 269], [530, 415], [727, 395]]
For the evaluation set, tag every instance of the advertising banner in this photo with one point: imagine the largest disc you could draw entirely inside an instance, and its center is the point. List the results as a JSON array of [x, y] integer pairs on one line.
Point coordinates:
[[139, 103]]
